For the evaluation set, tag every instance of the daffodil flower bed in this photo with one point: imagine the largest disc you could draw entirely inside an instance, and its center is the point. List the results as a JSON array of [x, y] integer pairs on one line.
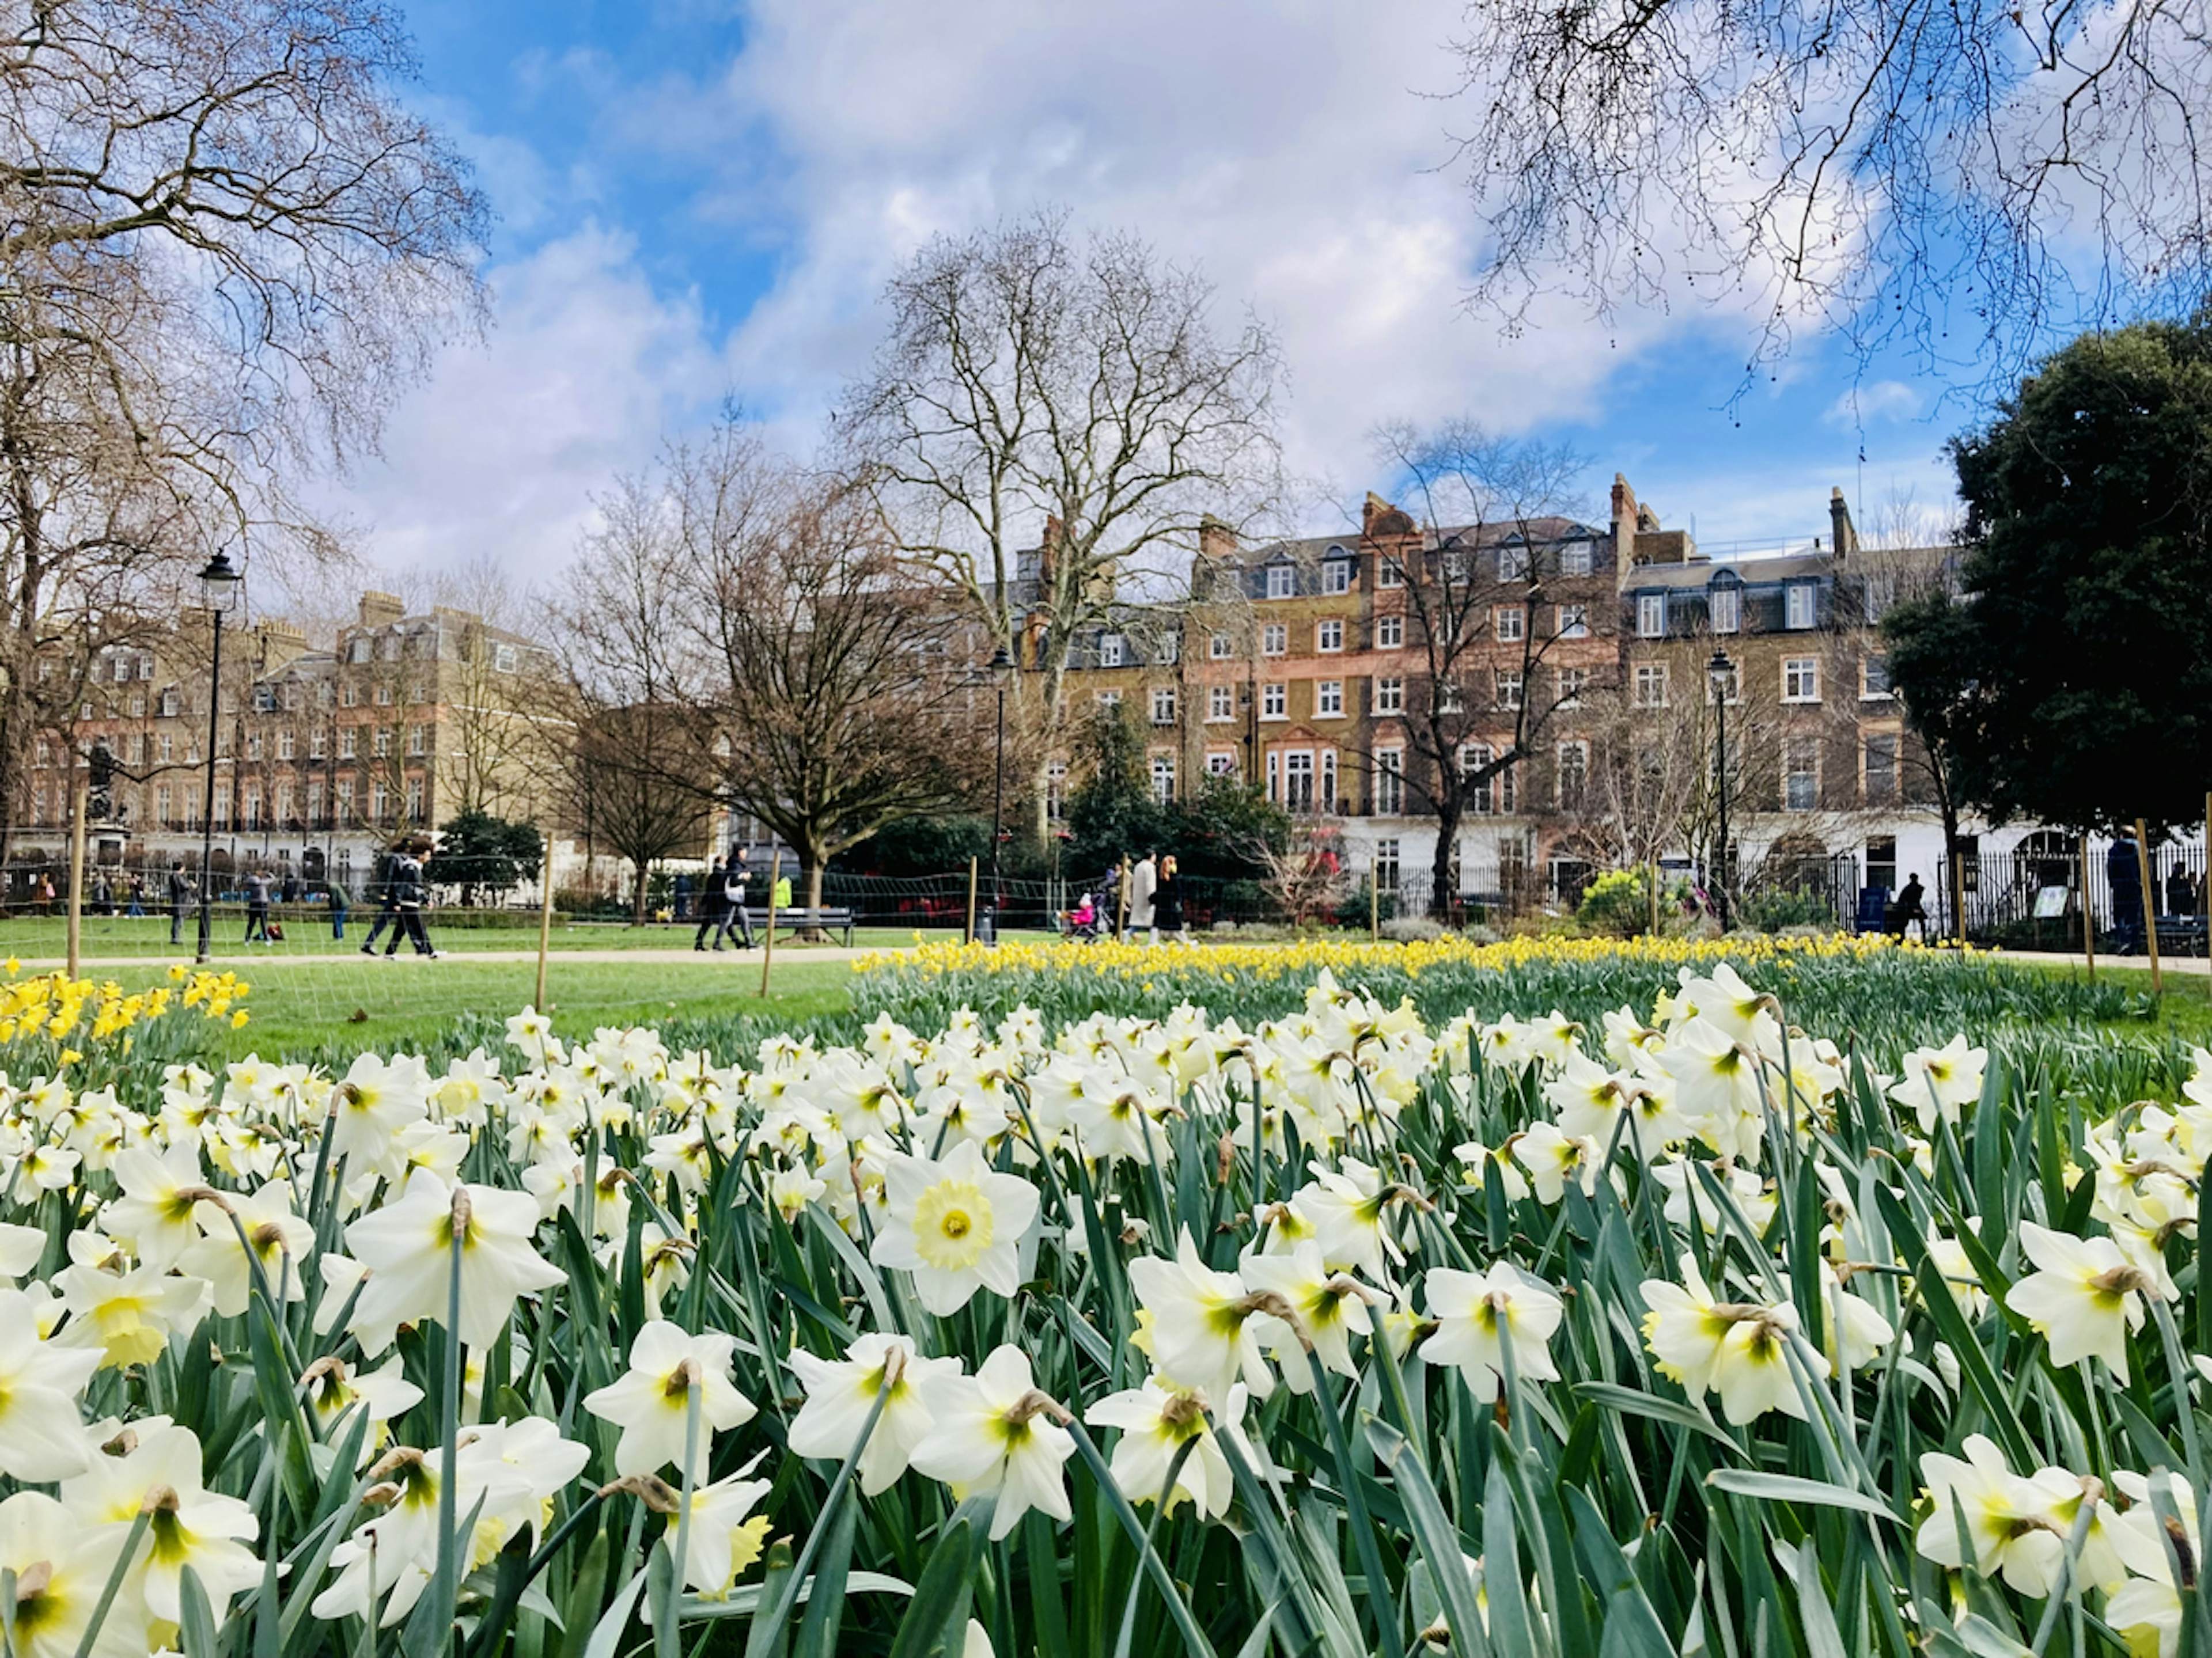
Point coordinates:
[[1680, 1328]]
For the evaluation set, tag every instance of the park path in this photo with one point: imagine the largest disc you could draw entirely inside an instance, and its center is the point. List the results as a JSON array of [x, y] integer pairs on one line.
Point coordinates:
[[258, 960], [2182, 964]]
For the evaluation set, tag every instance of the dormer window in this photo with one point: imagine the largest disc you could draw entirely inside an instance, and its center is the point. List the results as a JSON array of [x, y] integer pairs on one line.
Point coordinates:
[[1799, 605], [1110, 650], [1651, 616], [1724, 605], [1513, 563], [1282, 581], [1336, 571]]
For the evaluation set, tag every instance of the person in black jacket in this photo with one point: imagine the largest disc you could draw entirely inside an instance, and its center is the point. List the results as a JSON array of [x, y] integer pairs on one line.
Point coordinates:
[[710, 907], [382, 886], [180, 895], [412, 891]]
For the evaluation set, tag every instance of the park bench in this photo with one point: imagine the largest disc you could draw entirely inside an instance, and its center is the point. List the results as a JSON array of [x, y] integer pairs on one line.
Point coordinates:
[[830, 917]]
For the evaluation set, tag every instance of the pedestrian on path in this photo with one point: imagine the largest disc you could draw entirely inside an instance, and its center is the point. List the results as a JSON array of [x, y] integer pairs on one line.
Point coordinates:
[[1167, 902], [382, 887], [256, 908], [712, 907], [337, 894], [180, 895], [410, 889], [1144, 885], [735, 876]]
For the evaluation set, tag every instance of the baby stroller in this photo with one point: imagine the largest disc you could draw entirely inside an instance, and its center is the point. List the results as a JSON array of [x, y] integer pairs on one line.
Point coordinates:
[[1085, 924]]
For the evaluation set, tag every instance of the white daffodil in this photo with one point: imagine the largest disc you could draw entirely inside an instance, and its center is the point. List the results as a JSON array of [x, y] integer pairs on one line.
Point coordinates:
[[1478, 1313], [957, 1226], [840, 1394], [1202, 1330], [1349, 1206], [1739, 1350], [279, 1239], [125, 1315], [39, 1384], [1330, 1307], [1156, 1423], [2083, 1299], [1716, 1087], [652, 1401], [2017, 1526], [1935, 1084], [995, 1433], [189, 1525], [722, 1542], [407, 1247], [154, 1215], [62, 1568]]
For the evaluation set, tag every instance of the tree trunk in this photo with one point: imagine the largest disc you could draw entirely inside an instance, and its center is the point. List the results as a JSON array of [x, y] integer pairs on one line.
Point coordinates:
[[1442, 898], [637, 897]]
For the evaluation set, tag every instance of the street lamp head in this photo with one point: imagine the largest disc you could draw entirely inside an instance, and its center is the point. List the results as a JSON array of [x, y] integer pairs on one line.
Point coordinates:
[[1001, 664], [1720, 668], [220, 582]]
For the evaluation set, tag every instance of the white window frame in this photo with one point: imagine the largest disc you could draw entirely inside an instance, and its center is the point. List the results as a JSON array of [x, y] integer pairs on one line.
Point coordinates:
[[1390, 695], [1163, 771], [1577, 558], [1274, 639], [1653, 684], [1299, 763], [1509, 623], [1513, 563], [1791, 747], [1867, 692], [1389, 573], [1328, 699], [1111, 651], [1801, 605], [1107, 698], [1220, 704], [1800, 679], [1574, 620], [1577, 749], [1282, 581], [1163, 705], [1572, 683], [1651, 616], [1328, 635], [1389, 633], [1220, 647], [1335, 575], [1389, 782], [1274, 700], [1221, 762], [1511, 688], [1725, 608]]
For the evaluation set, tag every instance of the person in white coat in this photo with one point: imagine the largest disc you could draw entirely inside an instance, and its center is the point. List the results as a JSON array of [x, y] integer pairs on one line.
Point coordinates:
[[1143, 882]]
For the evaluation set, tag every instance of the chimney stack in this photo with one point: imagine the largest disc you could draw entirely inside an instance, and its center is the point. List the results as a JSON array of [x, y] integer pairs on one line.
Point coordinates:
[[380, 610], [1846, 537]]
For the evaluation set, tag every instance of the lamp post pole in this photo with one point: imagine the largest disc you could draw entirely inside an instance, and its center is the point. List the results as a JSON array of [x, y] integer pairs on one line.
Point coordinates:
[[219, 581], [1002, 667], [1721, 670]]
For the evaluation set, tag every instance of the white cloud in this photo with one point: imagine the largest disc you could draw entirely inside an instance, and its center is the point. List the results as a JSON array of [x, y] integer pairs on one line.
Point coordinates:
[[1868, 405], [502, 450]]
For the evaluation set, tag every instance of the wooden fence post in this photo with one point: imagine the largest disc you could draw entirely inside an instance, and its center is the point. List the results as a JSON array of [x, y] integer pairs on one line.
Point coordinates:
[[1959, 900], [2089, 915], [2149, 906], [767, 938], [544, 918], [76, 877], [1374, 907], [968, 927]]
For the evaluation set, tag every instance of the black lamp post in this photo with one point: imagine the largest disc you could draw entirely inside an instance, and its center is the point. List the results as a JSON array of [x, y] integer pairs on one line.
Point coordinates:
[[221, 583], [1721, 672]]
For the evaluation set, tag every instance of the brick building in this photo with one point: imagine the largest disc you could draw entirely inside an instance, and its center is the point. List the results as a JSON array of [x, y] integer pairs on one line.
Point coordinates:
[[326, 751]]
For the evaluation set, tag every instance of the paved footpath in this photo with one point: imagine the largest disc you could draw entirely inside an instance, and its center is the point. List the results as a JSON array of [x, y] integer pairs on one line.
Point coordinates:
[[259, 961], [2178, 964]]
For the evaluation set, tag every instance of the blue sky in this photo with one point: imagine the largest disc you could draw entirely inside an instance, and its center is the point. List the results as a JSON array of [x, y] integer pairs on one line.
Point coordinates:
[[700, 199]]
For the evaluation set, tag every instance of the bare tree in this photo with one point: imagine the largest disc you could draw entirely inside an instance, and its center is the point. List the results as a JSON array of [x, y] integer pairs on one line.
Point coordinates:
[[634, 779], [828, 683], [1476, 573], [225, 245], [1916, 172], [1045, 419]]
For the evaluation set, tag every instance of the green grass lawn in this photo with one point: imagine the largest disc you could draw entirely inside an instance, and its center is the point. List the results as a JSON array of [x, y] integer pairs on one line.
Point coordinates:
[[403, 1004], [2184, 1009], [45, 938]]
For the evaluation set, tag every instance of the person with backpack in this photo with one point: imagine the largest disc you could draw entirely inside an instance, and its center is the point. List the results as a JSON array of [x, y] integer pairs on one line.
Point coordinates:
[[337, 894], [256, 908]]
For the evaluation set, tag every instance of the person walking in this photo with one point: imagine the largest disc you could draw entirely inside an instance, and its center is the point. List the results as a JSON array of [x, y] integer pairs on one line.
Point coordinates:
[[1143, 884], [180, 896], [410, 889], [382, 885], [103, 896], [336, 895], [735, 876], [137, 908], [711, 904], [2124, 882], [256, 908], [1167, 902]]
